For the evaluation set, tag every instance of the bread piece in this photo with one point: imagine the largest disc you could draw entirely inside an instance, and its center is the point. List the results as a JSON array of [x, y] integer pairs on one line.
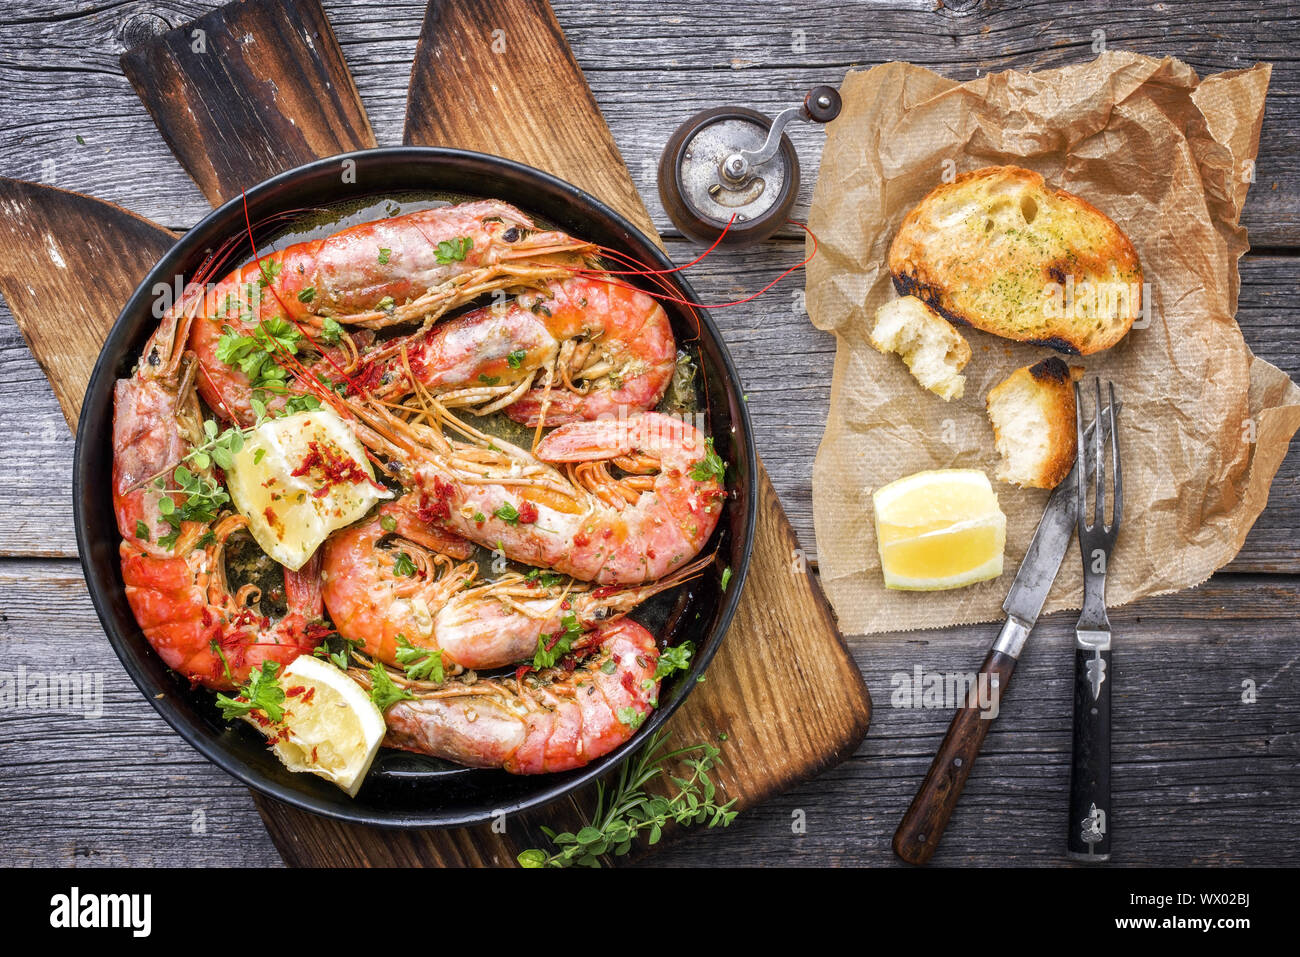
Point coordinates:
[[998, 250], [933, 350], [1032, 412]]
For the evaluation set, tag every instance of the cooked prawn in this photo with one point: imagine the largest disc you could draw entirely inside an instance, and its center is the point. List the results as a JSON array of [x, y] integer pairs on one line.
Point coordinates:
[[553, 720], [414, 267], [580, 349]]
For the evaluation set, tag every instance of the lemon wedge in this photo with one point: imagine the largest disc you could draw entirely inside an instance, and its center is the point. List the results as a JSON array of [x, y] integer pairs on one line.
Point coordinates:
[[330, 727], [297, 479], [939, 529]]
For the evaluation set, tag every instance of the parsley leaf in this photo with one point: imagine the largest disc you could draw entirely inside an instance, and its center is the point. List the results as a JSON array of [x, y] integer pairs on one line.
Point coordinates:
[[674, 658], [331, 331], [383, 692], [709, 467], [421, 664], [141, 531], [453, 250], [507, 513], [404, 565], [726, 577], [383, 255], [307, 294], [563, 643], [262, 693], [516, 358]]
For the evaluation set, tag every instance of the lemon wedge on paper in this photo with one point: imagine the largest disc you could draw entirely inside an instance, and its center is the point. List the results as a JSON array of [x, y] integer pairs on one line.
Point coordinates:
[[939, 529], [330, 727]]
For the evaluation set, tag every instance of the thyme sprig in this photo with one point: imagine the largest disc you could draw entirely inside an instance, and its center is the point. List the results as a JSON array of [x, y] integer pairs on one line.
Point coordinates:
[[626, 810]]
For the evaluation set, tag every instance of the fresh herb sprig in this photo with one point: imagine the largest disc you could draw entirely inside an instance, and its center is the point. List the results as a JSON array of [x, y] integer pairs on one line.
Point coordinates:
[[711, 466], [546, 657], [421, 664], [627, 810]]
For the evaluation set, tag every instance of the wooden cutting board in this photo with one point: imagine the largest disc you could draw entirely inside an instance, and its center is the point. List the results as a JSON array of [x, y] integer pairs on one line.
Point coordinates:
[[783, 688]]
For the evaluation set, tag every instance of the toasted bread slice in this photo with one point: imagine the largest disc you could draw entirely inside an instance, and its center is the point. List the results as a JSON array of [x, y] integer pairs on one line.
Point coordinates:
[[933, 350], [1032, 412], [998, 250]]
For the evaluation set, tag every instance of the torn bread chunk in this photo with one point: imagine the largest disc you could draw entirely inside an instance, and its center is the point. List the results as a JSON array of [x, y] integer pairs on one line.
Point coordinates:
[[935, 352], [1032, 412]]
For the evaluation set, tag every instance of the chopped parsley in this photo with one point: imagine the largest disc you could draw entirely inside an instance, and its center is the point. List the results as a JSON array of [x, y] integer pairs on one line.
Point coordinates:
[[404, 565], [516, 358], [453, 250], [560, 644], [674, 658], [262, 693], [709, 467], [507, 513], [421, 664], [307, 294], [383, 255], [383, 692], [331, 331]]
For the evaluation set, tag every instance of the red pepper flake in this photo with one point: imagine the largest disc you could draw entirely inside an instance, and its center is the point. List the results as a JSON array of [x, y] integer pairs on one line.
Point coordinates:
[[294, 691], [437, 508], [311, 693], [566, 604], [628, 682], [331, 468], [582, 540], [527, 513], [521, 671], [604, 591]]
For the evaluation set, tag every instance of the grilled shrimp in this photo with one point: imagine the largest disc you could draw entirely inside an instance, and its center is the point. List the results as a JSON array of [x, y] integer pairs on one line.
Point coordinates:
[[505, 621], [581, 349], [583, 521], [417, 266], [179, 593], [553, 720], [373, 596]]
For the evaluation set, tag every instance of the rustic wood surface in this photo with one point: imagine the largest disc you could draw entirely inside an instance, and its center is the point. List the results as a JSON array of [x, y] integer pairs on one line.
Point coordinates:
[[1201, 776]]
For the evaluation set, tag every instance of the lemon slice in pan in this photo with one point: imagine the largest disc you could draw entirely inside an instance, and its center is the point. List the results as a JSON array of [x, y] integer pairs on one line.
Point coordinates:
[[330, 727]]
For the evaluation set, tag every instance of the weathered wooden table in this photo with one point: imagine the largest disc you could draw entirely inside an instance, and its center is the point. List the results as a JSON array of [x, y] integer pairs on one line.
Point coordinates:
[[1202, 774]]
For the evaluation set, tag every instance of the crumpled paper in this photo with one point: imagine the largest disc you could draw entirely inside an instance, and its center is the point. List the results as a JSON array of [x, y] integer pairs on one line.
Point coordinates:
[[1205, 424]]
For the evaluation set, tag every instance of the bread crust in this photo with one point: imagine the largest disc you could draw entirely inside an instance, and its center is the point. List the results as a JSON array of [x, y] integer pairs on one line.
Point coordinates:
[[1049, 386], [998, 250]]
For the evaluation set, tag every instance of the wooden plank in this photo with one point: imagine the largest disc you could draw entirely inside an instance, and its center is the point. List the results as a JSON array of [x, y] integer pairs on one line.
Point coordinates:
[[250, 90], [468, 90], [68, 263], [1201, 777]]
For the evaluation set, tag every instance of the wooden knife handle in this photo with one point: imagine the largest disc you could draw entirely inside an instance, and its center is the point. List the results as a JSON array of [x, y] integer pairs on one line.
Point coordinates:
[[922, 826]]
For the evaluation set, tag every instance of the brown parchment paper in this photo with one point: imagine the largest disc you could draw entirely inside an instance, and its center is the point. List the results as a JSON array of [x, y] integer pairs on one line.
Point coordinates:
[[1205, 424]]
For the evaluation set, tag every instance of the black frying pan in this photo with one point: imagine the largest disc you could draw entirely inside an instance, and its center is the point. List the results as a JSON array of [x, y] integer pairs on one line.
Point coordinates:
[[408, 790]]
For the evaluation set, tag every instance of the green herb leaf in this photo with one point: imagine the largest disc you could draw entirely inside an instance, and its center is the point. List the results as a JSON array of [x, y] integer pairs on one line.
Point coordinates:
[[403, 565], [331, 332], [383, 255], [726, 577], [383, 692], [454, 250], [674, 658], [507, 513], [142, 530], [709, 467], [307, 294], [421, 664], [516, 358], [262, 693]]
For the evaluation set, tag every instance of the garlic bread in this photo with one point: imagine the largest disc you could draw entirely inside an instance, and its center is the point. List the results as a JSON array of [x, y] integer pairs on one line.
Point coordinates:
[[999, 250]]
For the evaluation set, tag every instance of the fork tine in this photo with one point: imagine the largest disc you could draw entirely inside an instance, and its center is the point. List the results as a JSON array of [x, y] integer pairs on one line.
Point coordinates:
[[1099, 502], [1081, 456], [1114, 453]]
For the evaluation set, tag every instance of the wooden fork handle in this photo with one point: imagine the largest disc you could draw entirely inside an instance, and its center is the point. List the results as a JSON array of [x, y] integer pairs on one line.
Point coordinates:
[[922, 826]]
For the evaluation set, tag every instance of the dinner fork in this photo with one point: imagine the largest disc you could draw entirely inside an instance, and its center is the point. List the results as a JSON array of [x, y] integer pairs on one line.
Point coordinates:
[[1090, 810]]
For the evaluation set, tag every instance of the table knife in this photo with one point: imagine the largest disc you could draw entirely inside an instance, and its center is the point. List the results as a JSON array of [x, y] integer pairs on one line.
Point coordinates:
[[922, 826]]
